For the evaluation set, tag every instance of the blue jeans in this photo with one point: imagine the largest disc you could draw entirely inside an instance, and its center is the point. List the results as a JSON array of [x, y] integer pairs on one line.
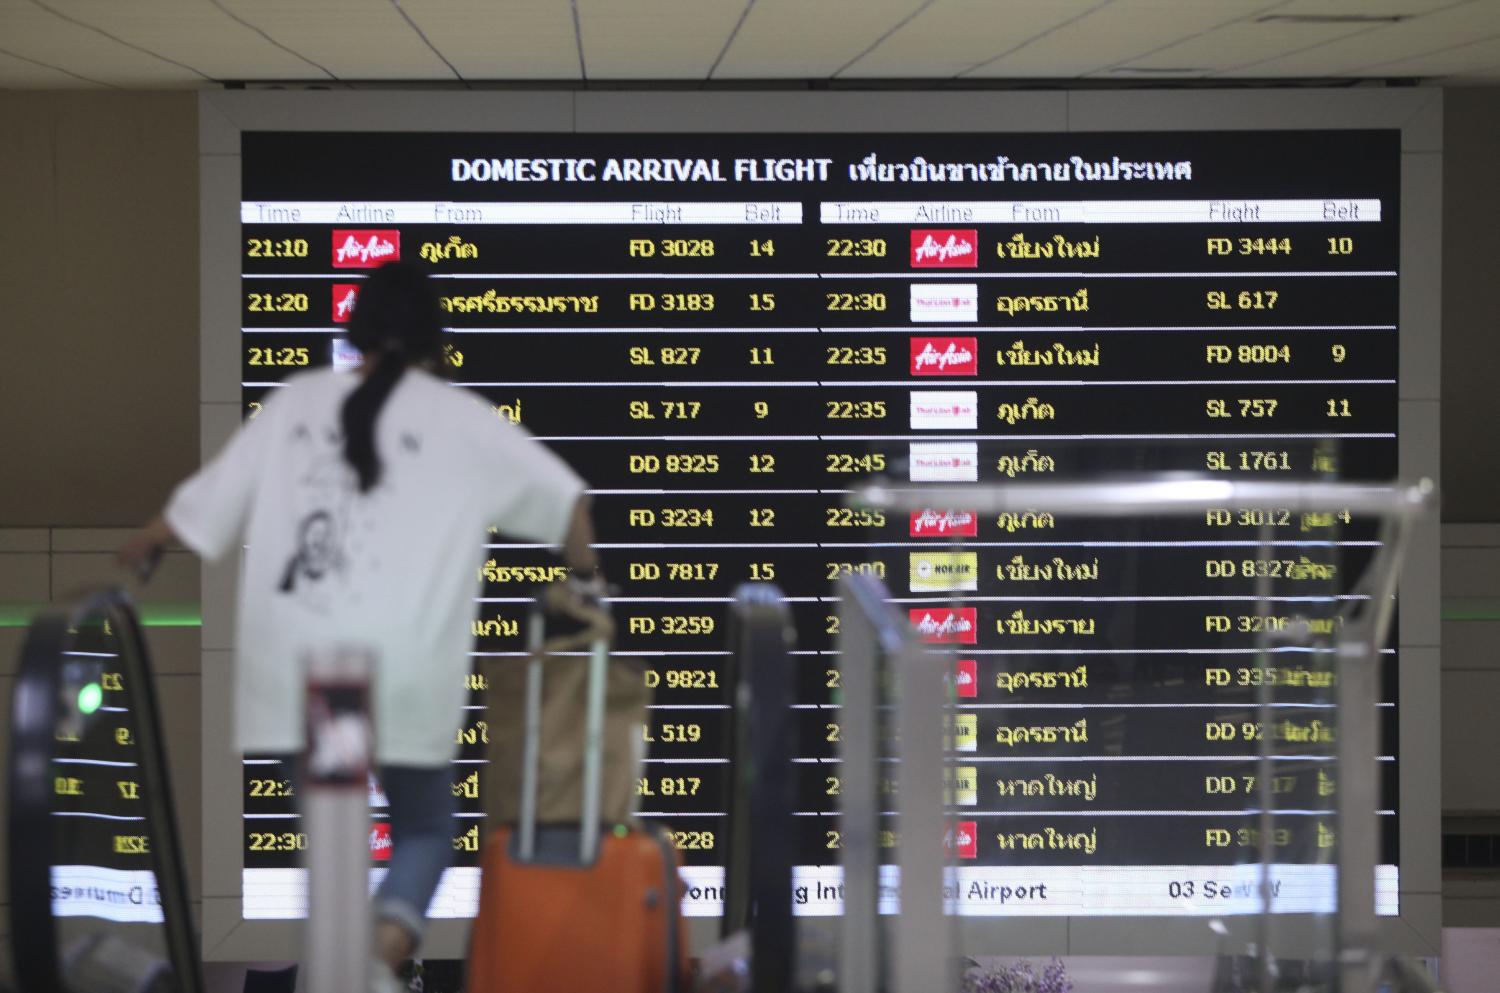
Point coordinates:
[[421, 815], [421, 818]]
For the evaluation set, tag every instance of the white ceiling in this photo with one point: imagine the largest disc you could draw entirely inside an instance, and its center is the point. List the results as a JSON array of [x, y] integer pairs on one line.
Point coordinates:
[[186, 43]]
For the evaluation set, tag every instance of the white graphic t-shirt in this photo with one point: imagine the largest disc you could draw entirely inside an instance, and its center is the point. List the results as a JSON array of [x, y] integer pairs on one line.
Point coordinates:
[[395, 570]]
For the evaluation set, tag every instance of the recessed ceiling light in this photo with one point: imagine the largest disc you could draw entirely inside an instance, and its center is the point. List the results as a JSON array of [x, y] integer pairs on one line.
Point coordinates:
[[1333, 18]]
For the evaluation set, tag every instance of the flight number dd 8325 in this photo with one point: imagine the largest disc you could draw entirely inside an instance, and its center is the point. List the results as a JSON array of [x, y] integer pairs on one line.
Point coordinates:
[[685, 464]]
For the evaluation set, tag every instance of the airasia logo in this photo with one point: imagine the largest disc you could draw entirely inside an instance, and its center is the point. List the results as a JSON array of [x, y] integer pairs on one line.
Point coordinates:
[[944, 524], [950, 625], [365, 249], [380, 841], [344, 295], [962, 840], [966, 677], [945, 356], [944, 248]]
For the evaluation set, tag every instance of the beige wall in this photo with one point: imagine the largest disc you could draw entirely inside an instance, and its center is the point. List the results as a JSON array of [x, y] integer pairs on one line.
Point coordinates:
[[1471, 317], [98, 304]]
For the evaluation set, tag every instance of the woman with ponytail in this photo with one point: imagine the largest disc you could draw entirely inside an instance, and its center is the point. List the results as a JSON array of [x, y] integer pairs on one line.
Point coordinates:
[[362, 501]]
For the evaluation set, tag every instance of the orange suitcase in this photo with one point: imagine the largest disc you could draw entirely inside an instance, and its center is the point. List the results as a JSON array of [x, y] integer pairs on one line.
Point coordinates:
[[576, 908], [610, 927]]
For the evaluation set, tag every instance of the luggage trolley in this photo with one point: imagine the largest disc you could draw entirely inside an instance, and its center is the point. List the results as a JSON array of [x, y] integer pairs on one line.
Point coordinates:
[[920, 940]]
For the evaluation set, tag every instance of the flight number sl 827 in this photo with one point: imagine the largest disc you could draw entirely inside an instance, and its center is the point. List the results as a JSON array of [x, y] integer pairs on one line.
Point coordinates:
[[667, 355]]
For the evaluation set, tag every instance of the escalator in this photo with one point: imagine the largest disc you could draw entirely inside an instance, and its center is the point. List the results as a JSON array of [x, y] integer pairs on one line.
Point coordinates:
[[98, 893]]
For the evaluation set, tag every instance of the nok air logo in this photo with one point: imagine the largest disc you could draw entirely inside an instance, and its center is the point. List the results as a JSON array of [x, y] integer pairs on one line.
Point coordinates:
[[963, 786], [944, 572], [965, 733]]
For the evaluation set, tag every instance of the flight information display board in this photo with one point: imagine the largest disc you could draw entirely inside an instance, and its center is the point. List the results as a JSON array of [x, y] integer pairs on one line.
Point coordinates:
[[724, 333]]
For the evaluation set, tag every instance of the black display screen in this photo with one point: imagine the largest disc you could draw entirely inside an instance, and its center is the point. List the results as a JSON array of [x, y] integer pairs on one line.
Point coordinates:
[[723, 334]]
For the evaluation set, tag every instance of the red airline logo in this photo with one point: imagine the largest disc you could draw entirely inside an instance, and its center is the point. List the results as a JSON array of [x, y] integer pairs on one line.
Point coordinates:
[[966, 677], [963, 840], [380, 841], [944, 248], [365, 249], [944, 524], [344, 295], [946, 625], [945, 356]]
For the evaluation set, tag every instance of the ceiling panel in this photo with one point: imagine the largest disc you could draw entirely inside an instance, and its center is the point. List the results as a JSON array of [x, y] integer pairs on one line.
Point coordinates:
[[1430, 33], [1243, 43], [1118, 33], [1478, 61], [655, 39], [29, 30], [16, 72], [193, 32], [796, 39], [523, 39], [168, 43], [354, 39], [1368, 8], [952, 36]]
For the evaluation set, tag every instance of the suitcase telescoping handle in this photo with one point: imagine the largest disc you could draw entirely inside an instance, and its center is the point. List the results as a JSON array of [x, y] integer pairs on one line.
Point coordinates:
[[598, 628]]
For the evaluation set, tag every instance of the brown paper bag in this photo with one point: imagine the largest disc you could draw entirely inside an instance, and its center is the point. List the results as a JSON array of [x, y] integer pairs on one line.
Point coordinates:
[[560, 790]]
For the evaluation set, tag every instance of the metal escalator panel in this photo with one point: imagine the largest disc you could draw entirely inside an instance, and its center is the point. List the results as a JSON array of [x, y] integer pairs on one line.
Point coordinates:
[[98, 893]]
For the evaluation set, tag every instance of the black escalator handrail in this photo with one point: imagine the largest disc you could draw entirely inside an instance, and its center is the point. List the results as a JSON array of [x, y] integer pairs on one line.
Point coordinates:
[[34, 718], [762, 738]]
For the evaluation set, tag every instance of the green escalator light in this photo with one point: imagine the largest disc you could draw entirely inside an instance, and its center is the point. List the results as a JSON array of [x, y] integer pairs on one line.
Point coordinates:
[[90, 698], [621, 830]]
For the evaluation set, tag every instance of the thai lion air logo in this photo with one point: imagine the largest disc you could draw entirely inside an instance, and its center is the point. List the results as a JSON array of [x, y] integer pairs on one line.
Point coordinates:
[[946, 625], [962, 840], [945, 356], [365, 249], [944, 524], [344, 295], [944, 248]]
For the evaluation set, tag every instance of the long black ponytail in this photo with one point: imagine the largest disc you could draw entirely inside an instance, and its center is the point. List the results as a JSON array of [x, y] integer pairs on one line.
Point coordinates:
[[396, 323]]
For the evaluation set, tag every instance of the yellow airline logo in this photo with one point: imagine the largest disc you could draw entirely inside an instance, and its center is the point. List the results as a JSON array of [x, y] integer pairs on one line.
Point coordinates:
[[944, 572]]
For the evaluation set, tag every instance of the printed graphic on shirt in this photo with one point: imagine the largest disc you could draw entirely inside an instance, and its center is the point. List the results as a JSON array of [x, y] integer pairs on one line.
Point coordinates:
[[334, 520]]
